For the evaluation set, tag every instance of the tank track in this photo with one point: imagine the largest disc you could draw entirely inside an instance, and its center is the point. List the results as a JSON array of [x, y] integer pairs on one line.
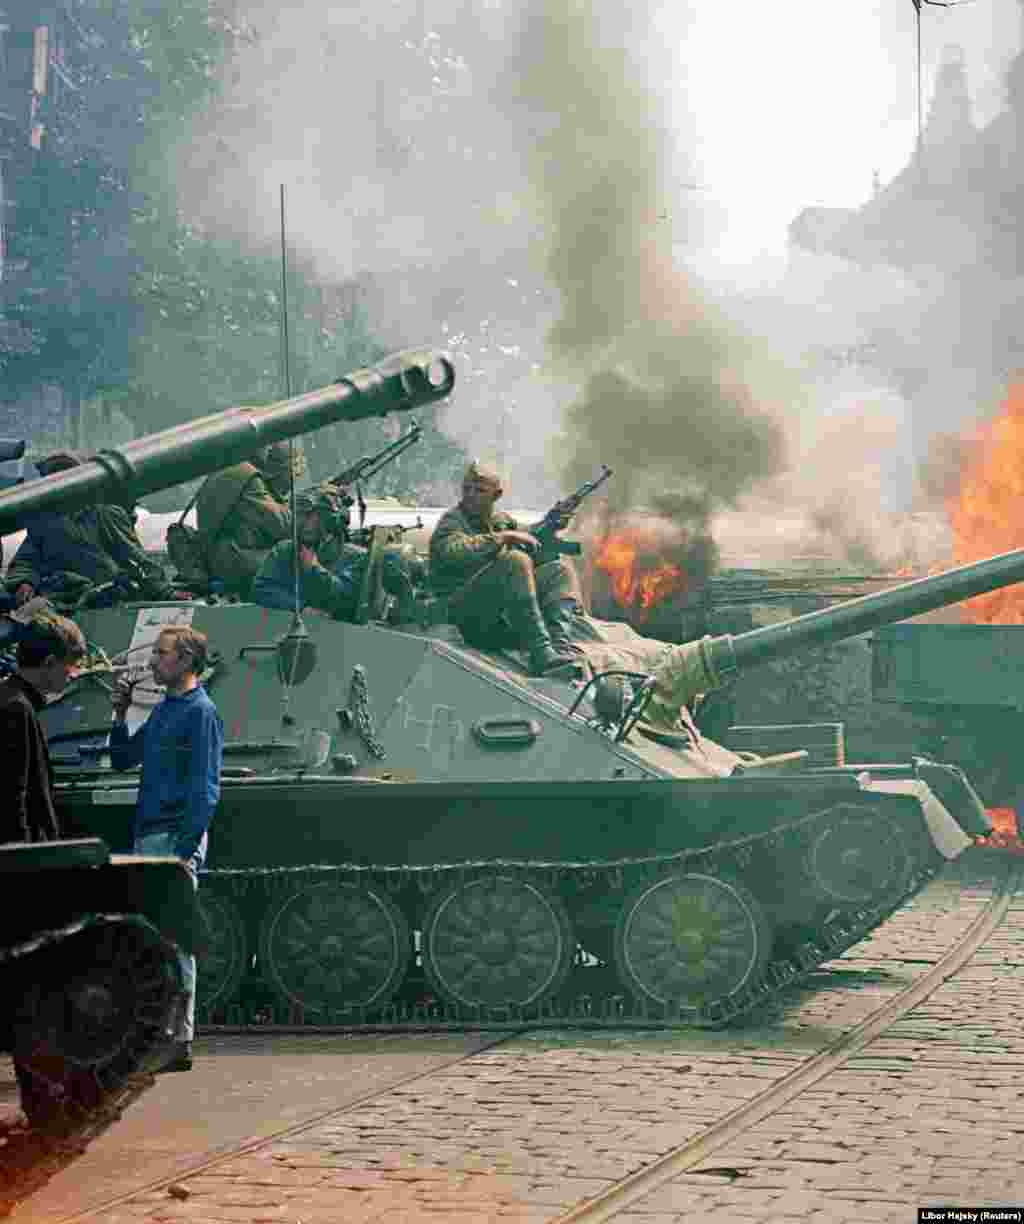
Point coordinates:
[[70, 1099], [606, 1007]]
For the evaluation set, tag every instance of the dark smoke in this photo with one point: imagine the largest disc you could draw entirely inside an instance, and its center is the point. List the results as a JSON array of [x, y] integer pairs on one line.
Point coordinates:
[[667, 398]]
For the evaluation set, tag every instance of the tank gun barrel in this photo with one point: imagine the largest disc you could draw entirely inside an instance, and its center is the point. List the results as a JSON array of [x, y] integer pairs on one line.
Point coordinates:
[[401, 382], [697, 667]]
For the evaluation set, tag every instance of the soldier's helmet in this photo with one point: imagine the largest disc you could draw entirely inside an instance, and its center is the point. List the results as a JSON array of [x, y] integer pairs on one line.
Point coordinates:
[[324, 498], [280, 463]]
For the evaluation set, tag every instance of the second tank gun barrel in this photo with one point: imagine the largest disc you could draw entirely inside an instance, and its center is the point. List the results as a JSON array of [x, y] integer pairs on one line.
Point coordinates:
[[403, 381], [868, 612], [698, 667]]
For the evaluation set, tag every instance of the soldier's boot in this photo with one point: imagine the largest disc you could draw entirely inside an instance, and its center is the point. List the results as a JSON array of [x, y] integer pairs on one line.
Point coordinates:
[[558, 614], [528, 624]]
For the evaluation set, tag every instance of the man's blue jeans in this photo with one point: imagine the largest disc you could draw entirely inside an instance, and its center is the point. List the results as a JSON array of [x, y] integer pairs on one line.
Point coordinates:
[[162, 845]]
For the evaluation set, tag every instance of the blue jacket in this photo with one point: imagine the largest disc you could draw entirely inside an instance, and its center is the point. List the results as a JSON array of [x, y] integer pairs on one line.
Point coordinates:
[[180, 747], [332, 586]]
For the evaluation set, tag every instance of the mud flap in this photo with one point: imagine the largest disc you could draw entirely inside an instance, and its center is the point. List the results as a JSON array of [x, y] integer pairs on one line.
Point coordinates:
[[947, 836]]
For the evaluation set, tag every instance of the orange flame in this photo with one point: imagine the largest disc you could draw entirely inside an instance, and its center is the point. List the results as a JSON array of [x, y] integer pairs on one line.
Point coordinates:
[[1004, 833], [987, 511], [638, 576]]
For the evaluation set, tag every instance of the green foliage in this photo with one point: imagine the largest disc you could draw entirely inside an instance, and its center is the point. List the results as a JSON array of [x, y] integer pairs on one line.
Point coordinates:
[[134, 70], [112, 293]]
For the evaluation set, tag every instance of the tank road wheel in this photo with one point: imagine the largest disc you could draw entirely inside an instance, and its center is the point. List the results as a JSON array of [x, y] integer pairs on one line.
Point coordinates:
[[857, 857], [223, 952], [335, 947], [496, 942], [99, 1009], [691, 939]]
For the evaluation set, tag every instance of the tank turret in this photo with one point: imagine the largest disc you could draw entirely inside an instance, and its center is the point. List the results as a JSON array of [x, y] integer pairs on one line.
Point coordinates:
[[124, 474], [707, 664]]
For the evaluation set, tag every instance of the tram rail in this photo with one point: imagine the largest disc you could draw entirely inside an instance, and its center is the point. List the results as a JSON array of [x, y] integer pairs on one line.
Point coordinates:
[[693, 1152]]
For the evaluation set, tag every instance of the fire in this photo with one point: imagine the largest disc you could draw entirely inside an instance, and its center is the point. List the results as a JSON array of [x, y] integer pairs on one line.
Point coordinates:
[[987, 511], [639, 577], [1004, 830]]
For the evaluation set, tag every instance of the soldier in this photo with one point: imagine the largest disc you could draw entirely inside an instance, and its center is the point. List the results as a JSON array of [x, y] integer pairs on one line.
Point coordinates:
[[242, 512], [331, 568], [65, 556], [484, 562]]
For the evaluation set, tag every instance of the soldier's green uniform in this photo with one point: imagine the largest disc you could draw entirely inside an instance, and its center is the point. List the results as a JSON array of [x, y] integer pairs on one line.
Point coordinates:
[[64, 556], [497, 596], [461, 545], [240, 515]]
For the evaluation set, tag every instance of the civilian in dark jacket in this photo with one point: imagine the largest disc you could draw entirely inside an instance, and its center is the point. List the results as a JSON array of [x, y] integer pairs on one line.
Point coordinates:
[[48, 652]]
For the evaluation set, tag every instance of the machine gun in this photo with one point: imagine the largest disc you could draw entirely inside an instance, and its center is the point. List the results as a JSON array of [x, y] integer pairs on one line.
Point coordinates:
[[369, 466], [546, 531]]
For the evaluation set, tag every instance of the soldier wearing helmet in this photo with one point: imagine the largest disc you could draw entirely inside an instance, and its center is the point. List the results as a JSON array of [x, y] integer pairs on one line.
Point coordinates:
[[484, 562], [67, 556], [242, 512], [331, 567]]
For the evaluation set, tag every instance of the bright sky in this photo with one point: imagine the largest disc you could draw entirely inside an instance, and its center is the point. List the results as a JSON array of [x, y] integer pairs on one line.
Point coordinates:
[[798, 102]]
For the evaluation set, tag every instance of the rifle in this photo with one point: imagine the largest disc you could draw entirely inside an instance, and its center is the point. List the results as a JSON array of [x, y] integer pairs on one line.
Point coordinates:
[[549, 526]]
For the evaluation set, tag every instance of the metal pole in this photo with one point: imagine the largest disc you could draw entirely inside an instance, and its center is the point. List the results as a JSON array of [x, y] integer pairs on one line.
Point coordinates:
[[297, 606], [920, 167]]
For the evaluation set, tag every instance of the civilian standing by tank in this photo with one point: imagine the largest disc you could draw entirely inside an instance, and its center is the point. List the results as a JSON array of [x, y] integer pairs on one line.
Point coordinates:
[[181, 748], [50, 648]]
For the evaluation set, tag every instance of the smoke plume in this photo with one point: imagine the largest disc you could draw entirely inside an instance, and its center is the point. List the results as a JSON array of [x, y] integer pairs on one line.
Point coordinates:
[[665, 390]]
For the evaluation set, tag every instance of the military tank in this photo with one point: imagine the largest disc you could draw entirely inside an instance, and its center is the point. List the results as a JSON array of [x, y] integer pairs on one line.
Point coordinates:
[[415, 832]]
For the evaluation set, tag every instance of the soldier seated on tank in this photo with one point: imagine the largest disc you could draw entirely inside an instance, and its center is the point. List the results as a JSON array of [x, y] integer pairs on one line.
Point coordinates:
[[242, 512], [497, 596], [331, 568], [67, 556]]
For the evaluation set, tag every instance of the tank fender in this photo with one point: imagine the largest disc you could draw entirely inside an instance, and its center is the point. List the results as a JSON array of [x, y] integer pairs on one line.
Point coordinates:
[[949, 783], [946, 834]]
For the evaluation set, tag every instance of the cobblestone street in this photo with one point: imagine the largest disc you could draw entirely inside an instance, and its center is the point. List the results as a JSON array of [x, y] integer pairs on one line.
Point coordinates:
[[930, 1113]]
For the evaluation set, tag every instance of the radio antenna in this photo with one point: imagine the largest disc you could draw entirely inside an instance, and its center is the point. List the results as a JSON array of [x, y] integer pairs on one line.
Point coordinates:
[[287, 378], [296, 651]]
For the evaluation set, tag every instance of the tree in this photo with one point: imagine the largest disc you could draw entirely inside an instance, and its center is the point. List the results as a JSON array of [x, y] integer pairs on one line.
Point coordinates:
[[116, 294]]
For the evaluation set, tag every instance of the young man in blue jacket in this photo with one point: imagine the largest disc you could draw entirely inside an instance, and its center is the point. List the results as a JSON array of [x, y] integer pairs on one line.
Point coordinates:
[[180, 747]]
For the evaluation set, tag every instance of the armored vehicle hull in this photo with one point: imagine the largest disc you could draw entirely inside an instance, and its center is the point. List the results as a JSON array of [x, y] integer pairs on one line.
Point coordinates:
[[91, 989], [464, 848], [958, 686]]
